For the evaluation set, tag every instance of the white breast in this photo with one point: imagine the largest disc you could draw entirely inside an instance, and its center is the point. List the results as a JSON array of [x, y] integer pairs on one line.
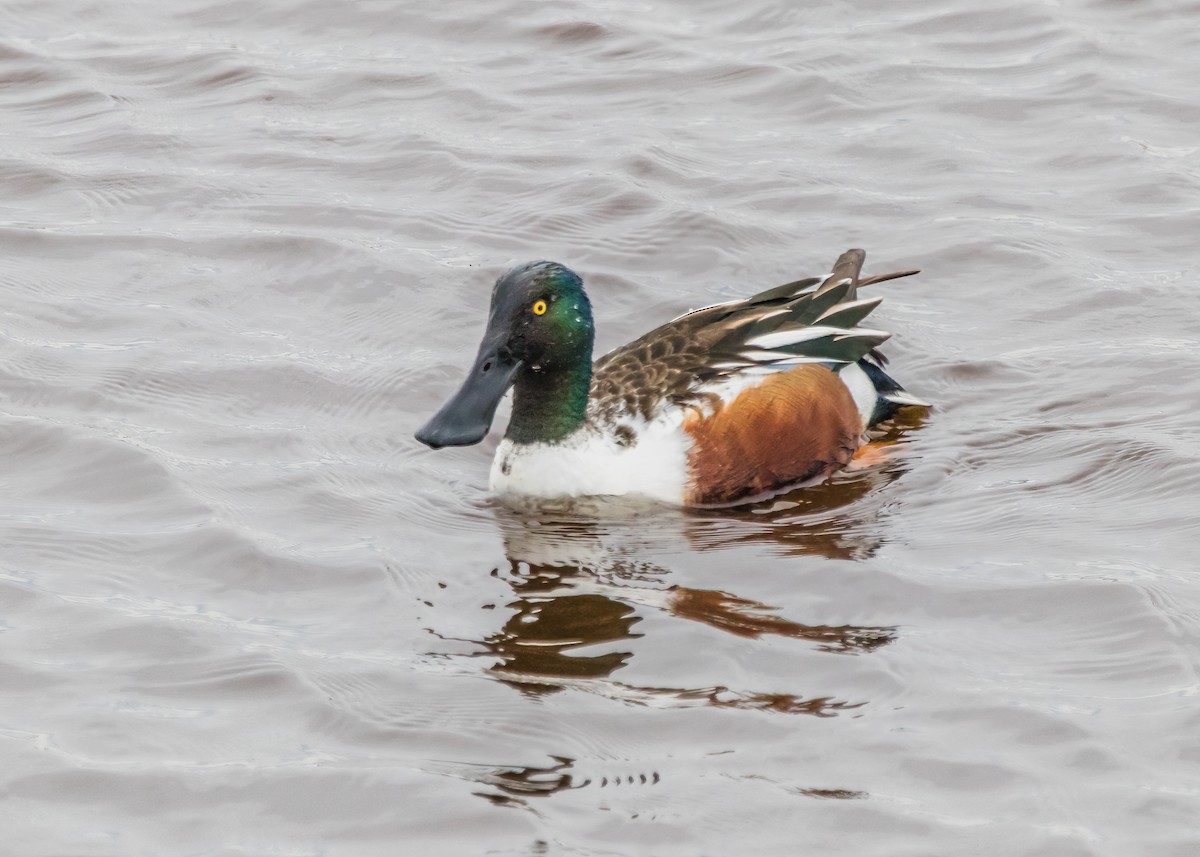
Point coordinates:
[[589, 463]]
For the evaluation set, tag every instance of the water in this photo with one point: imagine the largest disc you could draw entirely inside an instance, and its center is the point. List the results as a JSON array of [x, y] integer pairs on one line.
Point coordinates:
[[246, 252]]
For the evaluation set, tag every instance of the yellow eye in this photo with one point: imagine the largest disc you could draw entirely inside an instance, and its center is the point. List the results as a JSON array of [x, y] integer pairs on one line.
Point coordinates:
[[539, 307]]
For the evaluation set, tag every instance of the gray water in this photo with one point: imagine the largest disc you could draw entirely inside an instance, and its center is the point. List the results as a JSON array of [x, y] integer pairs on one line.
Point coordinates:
[[246, 250]]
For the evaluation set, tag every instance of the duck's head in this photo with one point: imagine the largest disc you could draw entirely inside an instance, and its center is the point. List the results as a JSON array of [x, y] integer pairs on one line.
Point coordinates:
[[539, 331]]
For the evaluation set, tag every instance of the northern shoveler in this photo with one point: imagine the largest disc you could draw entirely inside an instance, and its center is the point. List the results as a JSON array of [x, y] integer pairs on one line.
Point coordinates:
[[723, 405]]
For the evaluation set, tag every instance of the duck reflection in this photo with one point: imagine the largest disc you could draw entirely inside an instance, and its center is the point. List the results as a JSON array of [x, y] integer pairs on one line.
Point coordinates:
[[513, 784], [564, 614], [540, 638], [747, 618], [586, 575]]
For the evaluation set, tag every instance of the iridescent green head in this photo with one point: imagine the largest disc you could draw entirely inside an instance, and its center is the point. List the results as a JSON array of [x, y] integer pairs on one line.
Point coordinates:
[[538, 340], [547, 316]]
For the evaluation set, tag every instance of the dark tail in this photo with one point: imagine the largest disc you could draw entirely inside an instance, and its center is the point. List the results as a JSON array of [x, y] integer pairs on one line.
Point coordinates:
[[891, 396]]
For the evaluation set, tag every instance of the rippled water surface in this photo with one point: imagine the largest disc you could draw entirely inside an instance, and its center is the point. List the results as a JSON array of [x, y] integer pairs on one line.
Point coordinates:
[[246, 249]]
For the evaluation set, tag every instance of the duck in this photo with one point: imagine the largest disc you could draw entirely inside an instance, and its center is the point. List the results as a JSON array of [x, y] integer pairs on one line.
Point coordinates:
[[721, 406]]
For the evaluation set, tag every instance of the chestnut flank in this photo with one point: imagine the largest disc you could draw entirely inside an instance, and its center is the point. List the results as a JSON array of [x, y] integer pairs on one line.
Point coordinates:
[[796, 426]]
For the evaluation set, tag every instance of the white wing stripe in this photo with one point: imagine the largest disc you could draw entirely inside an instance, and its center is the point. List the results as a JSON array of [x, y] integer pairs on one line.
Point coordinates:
[[783, 338], [797, 335], [776, 358], [842, 307]]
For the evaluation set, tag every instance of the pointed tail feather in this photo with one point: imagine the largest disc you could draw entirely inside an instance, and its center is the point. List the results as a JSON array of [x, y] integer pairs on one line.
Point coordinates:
[[881, 278]]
